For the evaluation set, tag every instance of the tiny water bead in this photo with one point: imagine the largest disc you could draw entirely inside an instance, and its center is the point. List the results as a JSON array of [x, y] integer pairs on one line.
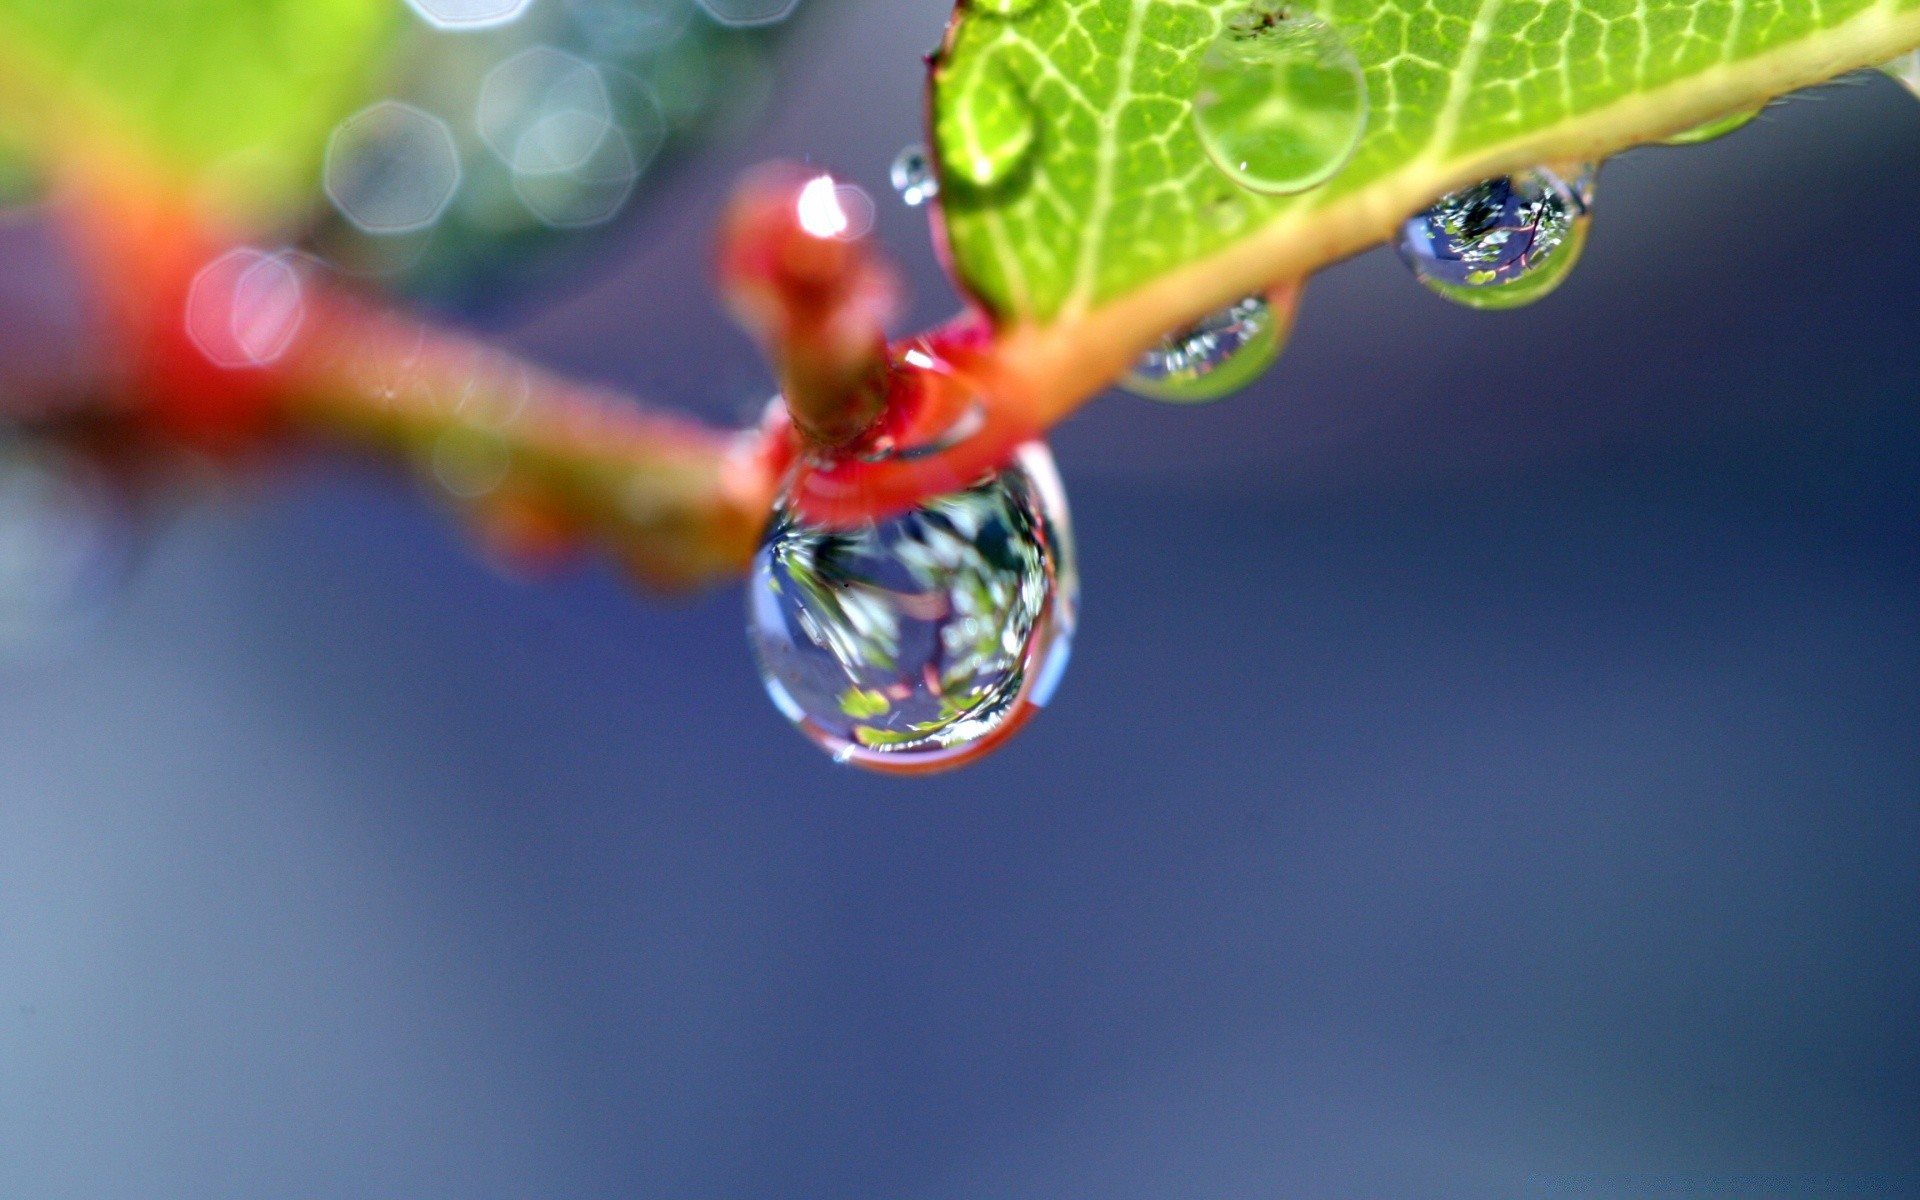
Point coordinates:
[[1280, 102], [912, 176], [1501, 243], [920, 641], [1707, 131], [986, 125], [1217, 355]]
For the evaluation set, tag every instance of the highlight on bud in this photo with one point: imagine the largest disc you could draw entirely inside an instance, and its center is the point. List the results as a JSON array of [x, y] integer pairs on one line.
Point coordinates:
[[797, 272], [819, 209]]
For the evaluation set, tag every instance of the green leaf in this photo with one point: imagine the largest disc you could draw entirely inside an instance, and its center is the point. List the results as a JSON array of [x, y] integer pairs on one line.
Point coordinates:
[[246, 90], [1114, 192]]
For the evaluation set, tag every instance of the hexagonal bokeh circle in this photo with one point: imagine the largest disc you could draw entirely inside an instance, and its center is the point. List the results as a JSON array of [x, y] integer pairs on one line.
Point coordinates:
[[575, 152], [549, 94], [468, 14], [392, 168], [245, 307], [748, 13]]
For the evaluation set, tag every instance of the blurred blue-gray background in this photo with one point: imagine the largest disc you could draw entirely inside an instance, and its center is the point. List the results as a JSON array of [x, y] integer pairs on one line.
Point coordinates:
[[1491, 756]]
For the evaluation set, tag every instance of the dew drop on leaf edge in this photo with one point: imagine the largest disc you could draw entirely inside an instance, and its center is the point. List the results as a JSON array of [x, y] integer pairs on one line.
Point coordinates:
[[1905, 70], [1214, 357], [985, 124], [1280, 101], [1708, 131], [912, 176], [1503, 242], [920, 641]]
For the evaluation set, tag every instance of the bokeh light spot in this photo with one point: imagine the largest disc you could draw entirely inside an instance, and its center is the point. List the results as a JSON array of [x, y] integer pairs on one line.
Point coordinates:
[[469, 462], [469, 14], [535, 86], [245, 308], [551, 118], [747, 13], [857, 206], [392, 168], [629, 27]]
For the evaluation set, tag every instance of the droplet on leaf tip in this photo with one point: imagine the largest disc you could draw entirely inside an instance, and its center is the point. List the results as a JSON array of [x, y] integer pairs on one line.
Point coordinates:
[[1501, 243], [1280, 100], [1215, 356], [921, 641]]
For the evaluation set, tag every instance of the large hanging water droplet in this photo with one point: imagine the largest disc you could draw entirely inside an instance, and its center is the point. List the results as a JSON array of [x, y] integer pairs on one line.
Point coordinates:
[[1905, 69], [1501, 243], [913, 177], [921, 641], [1219, 354], [985, 124], [1280, 101], [1719, 127]]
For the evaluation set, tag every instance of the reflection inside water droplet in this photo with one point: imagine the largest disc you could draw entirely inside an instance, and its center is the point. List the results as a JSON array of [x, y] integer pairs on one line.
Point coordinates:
[[912, 176], [1280, 101], [1501, 243], [920, 641], [984, 124], [1216, 355]]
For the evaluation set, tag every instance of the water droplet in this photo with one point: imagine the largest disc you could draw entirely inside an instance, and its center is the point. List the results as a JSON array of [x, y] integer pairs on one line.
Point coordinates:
[[1004, 8], [1501, 243], [986, 125], [1905, 69], [1280, 101], [1219, 354], [912, 176], [1719, 127], [921, 641]]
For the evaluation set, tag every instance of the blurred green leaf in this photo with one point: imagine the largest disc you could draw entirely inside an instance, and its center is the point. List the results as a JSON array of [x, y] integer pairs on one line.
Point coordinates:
[[243, 90]]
